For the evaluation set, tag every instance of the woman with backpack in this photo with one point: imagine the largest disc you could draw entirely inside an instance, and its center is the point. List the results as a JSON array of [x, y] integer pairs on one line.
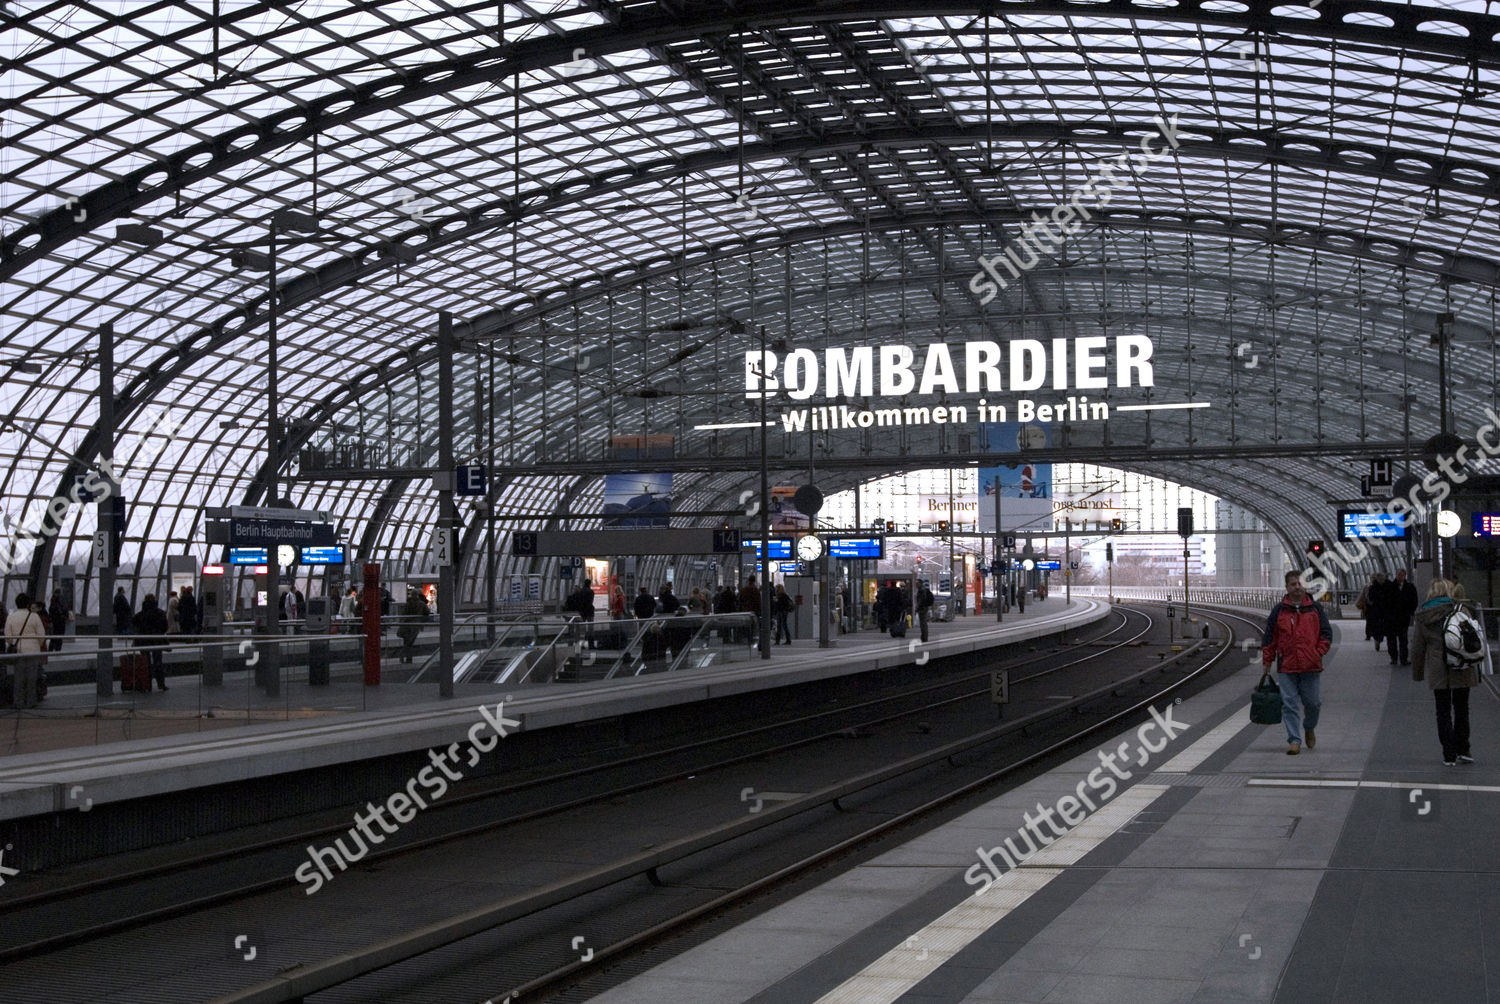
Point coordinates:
[[1448, 651]]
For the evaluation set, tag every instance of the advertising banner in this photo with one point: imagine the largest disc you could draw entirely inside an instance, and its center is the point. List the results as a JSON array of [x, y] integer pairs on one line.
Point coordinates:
[[1025, 502], [636, 500]]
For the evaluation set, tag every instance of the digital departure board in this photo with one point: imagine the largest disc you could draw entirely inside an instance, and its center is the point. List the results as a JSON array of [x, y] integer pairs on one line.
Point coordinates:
[[856, 547], [1486, 524], [249, 555], [781, 547], [1356, 524]]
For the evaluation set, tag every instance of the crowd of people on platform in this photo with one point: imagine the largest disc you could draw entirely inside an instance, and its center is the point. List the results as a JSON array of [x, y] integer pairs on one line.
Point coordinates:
[[727, 599], [1388, 606]]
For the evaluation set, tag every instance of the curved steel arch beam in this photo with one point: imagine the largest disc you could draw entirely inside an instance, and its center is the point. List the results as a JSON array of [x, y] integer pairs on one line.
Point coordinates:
[[375, 258], [634, 30]]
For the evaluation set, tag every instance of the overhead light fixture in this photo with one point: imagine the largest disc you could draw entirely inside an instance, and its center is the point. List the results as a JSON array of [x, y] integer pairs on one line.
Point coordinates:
[[404, 255], [290, 219], [139, 233], [250, 261]]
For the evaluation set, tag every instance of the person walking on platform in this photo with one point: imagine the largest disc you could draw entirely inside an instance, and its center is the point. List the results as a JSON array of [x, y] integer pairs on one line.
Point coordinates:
[[174, 613], [1403, 604], [412, 615], [1437, 657], [668, 600], [697, 602], [188, 616], [151, 625], [645, 604], [24, 636], [750, 604], [1297, 637], [58, 611], [616, 602], [123, 611], [1369, 609], [349, 610], [782, 606], [925, 600], [1382, 604]]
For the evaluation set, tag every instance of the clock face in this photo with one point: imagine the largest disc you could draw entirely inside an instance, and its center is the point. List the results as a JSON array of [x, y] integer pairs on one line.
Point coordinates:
[[286, 555], [809, 548], [1031, 437], [1449, 523]]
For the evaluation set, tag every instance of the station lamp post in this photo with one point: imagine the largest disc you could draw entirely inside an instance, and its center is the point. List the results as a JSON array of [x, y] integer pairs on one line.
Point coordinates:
[[282, 222]]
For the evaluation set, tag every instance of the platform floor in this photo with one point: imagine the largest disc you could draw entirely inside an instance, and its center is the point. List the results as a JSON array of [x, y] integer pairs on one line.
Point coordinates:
[[140, 745], [74, 715], [1221, 871]]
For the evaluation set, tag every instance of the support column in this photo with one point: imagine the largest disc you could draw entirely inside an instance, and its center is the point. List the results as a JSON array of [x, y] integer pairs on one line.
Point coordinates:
[[1001, 580], [104, 670], [491, 497], [370, 620], [270, 660], [447, 597]]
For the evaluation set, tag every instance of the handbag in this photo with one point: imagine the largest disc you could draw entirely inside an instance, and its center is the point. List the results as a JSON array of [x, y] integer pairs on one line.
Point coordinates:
[[1265, 702], [14, 647]]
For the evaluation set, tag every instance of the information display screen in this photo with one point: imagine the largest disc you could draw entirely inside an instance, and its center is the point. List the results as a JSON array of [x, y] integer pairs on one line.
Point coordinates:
[[249, 556], [1356, 524], [781, 547], [1486, 524], [333, 555], [856, 547], [1049, 566]]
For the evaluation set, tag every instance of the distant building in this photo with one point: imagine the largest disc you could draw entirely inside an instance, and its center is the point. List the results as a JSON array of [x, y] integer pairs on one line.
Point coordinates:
[[1160, 551], [1253, 556]]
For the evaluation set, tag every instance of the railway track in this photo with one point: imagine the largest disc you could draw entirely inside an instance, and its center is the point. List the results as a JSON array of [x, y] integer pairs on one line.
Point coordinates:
[[886, 711]]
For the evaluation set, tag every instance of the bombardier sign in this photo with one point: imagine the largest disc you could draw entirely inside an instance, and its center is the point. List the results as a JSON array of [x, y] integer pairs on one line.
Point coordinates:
[[1093, 362]]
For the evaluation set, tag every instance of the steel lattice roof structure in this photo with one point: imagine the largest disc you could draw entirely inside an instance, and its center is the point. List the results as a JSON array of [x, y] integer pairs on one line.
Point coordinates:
[[615, 200]]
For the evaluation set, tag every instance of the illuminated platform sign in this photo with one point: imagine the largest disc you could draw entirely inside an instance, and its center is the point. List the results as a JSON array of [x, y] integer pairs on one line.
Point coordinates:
[[781, 547], [1486, 524], [273, 532], [323, 555], [1355, 524], [1048, 566], [249, 555], [856, 547]]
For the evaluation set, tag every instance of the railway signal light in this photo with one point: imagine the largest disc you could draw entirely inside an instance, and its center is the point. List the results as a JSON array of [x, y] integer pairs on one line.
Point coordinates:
[[1117, 524], [890, 526], [942, 526], [1315, 547]]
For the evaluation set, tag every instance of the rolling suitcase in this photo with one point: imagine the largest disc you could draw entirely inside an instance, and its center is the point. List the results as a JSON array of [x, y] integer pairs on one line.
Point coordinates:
[[898, 628], [135, 672]]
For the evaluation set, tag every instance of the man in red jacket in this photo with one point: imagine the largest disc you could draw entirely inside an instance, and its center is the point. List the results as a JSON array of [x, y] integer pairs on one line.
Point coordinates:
[[1297, 637]]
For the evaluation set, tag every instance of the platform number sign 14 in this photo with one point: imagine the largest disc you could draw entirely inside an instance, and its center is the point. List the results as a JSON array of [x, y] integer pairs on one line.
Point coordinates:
[[442, 546]]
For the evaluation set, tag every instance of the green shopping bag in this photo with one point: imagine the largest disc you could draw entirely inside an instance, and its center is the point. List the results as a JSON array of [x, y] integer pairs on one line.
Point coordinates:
[[1265, 702]]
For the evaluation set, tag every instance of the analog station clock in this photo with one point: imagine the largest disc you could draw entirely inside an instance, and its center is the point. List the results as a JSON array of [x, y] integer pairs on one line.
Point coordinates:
[[809, 548]]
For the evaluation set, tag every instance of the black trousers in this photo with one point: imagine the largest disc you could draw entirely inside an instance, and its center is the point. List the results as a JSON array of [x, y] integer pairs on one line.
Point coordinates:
[[1394, 637], [158, 666], [1452, 704]]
